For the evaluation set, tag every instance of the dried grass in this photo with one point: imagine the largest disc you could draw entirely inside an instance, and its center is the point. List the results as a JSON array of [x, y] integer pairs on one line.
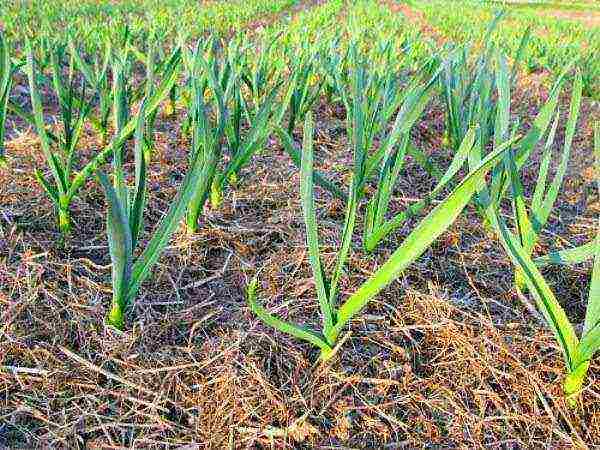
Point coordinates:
[[447, 357]]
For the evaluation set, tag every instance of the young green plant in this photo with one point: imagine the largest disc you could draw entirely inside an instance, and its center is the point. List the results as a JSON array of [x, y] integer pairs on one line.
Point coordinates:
[[60, 152], [528, 224], [468, 84], [205, 74], [530, 221], [484, 106], [391, 156], [97, 76], [6, 75], [335, 317], [222, 78], [577, 351], [126, 209], [307, 87], [370, 100]]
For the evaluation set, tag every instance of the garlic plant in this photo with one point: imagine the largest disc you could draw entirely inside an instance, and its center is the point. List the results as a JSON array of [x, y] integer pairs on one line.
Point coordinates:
[[96, 75], [335, 316], [528, 222], [6, 73], [61, 152], [577, 351], [126, 206], [221, 132]]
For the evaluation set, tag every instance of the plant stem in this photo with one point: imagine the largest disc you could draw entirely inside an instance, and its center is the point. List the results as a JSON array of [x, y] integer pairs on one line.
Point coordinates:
[[216, 194], [326, 353], [64, 220], [116, 316], [574, 382], [520, 280], [203, 190]]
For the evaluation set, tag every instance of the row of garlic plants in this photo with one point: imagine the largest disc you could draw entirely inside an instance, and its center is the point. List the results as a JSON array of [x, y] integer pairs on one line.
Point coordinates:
[[236, 93], [553, 39]]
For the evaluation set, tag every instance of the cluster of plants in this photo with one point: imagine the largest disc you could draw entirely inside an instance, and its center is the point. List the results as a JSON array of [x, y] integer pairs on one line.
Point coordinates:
[[234, 94], [91, 22], [553, 40]]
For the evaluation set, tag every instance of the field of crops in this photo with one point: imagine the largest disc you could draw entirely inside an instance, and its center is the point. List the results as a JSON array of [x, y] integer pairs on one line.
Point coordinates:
[[554, 40], [299, 224]]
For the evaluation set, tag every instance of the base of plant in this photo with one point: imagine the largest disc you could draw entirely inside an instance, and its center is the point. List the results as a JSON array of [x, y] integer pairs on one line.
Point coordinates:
[[488, 228], [573, 383], [169, 110], [116, 317], [446, 141], [216, 198], [64, 221], [191, 222], [520, 282], [369, 247], [233, 180], [326, 354], [191, 227]]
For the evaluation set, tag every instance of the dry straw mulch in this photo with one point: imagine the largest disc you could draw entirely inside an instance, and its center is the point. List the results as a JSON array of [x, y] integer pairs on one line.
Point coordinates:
[[447, 357]]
